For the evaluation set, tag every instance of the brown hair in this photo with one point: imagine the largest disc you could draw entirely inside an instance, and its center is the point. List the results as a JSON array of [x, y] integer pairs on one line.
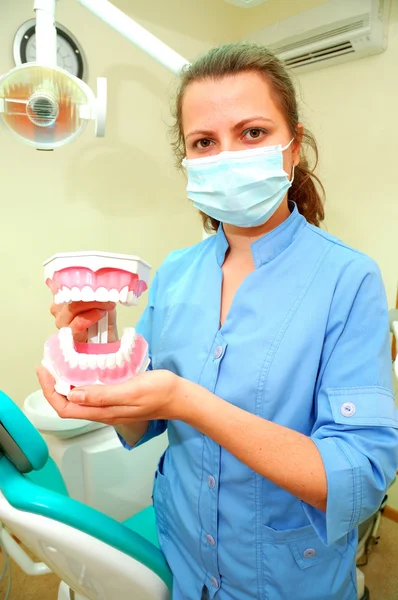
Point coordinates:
[[232, 59]]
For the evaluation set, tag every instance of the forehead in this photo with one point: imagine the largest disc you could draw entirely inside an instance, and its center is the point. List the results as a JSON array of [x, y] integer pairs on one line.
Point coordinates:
[[230, 99]]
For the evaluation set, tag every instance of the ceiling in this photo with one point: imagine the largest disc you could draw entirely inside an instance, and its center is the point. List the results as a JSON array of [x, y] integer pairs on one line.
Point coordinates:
[[213, 21], [187, 26]]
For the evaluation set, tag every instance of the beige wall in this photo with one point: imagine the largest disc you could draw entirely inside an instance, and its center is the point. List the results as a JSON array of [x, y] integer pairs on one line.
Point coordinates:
[[215, 21], [272, 11]]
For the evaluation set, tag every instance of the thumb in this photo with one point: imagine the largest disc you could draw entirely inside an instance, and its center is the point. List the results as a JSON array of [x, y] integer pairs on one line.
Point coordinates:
[[103, 395]]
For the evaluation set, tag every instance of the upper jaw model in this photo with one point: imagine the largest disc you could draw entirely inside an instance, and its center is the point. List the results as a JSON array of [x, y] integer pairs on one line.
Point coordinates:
[[100, 277]]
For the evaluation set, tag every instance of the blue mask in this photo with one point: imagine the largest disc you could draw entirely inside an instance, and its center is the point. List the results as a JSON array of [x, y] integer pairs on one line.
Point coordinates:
[[242, 188]]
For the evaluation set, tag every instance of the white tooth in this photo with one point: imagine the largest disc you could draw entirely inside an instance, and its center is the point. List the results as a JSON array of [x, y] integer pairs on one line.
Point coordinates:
[[67, 294], [101, 361], [88, 294], [102, 295], [111, 361], [113, 295], [92, 361], [127, 343], [65, 333], [129, 333], [131, 299], [124, 294], [125, 332], [76, 294], [65, 348], [73, 360], [130, 340], [119, 358], [83, 361], [58, 298]]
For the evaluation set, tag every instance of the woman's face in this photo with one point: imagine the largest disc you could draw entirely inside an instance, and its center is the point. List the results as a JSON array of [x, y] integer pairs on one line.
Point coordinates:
[[234, 113]]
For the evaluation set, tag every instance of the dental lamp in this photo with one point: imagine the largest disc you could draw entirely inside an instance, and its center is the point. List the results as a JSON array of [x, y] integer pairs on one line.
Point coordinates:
[[47, 107]]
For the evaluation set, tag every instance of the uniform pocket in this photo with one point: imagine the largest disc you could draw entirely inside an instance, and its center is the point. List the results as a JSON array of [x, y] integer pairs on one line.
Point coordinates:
[[310, 551], [161, 497], [298, 565]]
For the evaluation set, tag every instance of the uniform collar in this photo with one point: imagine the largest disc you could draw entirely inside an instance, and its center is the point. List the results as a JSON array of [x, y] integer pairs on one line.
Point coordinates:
[[270, 245]]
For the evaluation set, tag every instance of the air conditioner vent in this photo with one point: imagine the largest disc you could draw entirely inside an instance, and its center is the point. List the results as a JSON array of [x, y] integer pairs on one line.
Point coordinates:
[[324, 54], [352, 27], [331, 33]]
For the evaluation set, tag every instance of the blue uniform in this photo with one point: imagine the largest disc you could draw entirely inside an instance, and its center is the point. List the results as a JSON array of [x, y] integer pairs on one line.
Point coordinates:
[[305, 345]]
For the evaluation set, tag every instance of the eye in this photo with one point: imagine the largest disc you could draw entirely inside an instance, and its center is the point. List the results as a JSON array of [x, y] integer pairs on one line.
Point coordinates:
[[203, 144], [254, 133]]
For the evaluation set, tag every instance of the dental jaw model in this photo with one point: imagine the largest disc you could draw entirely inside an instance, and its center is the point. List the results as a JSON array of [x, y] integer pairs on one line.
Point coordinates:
[[100, 277]]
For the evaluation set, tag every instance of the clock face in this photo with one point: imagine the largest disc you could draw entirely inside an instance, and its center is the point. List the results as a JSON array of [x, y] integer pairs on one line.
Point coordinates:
[[69, 54]]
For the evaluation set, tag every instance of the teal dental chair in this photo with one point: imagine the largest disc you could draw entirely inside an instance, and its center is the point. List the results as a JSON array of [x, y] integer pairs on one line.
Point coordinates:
[[95, 557]]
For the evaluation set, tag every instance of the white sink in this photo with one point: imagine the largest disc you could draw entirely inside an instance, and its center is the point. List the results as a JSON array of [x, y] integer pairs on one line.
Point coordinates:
[[42, 415]]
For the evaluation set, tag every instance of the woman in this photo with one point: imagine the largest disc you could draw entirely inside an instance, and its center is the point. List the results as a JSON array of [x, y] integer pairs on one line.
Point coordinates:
[[270, 357]]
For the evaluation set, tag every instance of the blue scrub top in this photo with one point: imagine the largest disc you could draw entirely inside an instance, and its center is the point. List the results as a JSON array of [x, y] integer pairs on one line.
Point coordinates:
[[305, 345]]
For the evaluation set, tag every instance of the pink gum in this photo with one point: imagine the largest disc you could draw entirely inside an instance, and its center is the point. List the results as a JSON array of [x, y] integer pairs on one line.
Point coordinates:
[[91, 348], [77, 376], [108, 278]]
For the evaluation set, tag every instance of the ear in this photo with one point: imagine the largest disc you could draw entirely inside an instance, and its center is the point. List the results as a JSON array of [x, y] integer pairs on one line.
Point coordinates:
[[296, 146]]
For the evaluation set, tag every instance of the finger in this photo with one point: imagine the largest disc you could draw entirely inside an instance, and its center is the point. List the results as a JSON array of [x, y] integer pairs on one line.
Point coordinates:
[[122, 394], [108, 414], [75, 308], [64, 314], [65, 409], [83, 321], [55, 309], [47, 382]]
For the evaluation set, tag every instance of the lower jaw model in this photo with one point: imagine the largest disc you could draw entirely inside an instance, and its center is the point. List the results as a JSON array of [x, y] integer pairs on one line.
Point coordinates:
[[100, 277]]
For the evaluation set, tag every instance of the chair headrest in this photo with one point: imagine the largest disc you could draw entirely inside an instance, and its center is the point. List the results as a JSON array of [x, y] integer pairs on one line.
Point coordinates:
[[19, 440]]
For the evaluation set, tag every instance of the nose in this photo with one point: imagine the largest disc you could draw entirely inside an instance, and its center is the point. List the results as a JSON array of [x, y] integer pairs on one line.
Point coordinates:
[[227, 142]]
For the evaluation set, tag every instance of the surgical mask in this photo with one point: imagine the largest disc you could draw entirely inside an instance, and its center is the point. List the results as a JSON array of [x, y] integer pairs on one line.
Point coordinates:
[[242, 188]]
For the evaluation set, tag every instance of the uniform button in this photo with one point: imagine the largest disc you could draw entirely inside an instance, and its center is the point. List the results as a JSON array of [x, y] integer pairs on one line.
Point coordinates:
[[348, 409], [211, 482], [218, 351], [214, 582], [210, 539], [309, 553]]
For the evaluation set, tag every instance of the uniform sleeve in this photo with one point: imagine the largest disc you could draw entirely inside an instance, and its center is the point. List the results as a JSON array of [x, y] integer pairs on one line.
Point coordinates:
[[356, 428], [144, 328]]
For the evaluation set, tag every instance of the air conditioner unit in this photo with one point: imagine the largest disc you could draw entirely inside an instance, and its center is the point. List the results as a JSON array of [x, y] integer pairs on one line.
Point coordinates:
[[246, 3], [332, 33]]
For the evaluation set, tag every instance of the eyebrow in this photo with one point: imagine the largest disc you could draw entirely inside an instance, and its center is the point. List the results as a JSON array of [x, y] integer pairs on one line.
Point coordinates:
[[242, 123]]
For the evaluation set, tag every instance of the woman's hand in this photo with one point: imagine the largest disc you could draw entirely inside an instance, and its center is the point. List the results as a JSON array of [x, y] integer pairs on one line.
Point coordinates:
[[79, 316], [148, 396]]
